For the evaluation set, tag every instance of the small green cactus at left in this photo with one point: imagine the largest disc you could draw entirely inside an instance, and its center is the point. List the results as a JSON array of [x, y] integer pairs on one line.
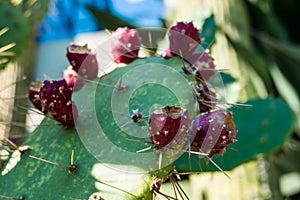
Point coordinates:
[[20, 19]]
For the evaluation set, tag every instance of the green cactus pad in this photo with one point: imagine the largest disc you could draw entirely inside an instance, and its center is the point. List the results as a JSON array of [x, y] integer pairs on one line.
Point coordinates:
[[208, 32], [32, 178], [263, 127], [38, 180], [146, 85]]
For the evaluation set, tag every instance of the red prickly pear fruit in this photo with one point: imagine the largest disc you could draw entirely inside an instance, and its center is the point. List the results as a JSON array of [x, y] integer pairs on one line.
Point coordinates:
[[76, 55], [67, 115], [71, 77], [34, 95], [83, 61], [168, 125], [204, 64], [184, 39], [126, 46], [213, 132], [56, 99]]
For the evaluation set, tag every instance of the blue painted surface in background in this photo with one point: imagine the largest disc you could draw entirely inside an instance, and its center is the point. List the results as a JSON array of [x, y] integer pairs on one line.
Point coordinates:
[[66, 18], [143, 13]]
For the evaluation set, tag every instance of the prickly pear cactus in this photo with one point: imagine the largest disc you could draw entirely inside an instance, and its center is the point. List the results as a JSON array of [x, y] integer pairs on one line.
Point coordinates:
[[55, 143], [131, 125]]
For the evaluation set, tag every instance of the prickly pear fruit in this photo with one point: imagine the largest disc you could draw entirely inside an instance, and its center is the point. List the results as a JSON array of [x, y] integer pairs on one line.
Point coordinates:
[[214, 131], [56, 100], [71, 77], [184, 39], [168, 125], [204, 64], [83, 61], [126, 46]]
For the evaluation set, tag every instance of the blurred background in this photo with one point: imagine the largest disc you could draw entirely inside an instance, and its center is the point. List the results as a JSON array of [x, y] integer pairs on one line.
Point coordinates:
[[255, 42]]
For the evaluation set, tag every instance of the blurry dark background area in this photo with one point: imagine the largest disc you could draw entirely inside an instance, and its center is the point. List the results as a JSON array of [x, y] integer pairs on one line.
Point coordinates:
[[288, 13]]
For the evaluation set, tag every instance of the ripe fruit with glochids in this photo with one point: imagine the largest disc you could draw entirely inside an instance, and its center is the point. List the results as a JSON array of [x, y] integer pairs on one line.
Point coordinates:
[[209, 133], [168, 126], [184, 39], [54, 98], [126, 45], [213, 131], [203, 68], [203, 64], [83, 61]]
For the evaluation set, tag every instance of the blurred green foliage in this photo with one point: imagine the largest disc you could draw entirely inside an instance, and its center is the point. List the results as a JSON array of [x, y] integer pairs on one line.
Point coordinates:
[[20, 18]]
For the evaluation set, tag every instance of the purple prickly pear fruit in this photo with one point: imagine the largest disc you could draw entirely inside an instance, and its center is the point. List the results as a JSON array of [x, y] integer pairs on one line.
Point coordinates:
[[34, 95], [184, 39], [168, 125], [83, 61], [126, 46], [71, 77], [214, 131], [56, 100], [203, 63], [76, 55]]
